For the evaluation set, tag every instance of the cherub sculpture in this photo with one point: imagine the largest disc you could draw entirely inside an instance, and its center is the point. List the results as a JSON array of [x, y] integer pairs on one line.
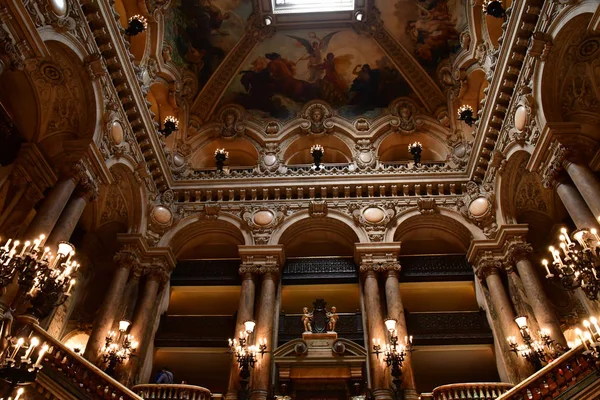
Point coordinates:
[[332, 319], [306, 320]]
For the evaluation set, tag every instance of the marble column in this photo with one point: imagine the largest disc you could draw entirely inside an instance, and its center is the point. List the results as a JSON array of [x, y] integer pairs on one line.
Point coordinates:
[[68, 219], [245, 313], [107, 314], [506, 316], [396, 311], [380, 380], [51, 208], [587, 183], [142, 321], [264, 330], [576, 207], [536, 296]]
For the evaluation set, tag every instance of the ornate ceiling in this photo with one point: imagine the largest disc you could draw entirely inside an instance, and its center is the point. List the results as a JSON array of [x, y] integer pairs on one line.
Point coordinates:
[[236, 82]]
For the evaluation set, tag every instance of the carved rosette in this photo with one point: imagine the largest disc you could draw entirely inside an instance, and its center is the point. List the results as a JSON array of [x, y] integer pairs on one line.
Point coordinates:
[[317, 118], [477, 205]]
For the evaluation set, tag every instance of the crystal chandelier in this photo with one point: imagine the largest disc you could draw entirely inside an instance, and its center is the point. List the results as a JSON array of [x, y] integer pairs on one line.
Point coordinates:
[[576, 261], [394, 353], [118, 347], [536, 352], [246, 355]]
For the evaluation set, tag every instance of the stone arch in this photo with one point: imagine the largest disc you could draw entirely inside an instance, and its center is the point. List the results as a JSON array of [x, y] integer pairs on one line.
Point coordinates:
[[298, 150], [450, 226], [335, 225], [197, 230], [568, 29]]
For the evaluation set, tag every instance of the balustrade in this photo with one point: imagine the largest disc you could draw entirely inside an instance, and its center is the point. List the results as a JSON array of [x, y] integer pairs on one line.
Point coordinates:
[[85, 376], [554, 379], [476, 391], [172, 392]]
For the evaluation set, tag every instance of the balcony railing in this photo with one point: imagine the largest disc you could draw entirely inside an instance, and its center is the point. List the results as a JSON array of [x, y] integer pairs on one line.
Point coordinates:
[[172, 392], [570, 372], [86, 377], [449, 328], [475, 391], [195, 330]]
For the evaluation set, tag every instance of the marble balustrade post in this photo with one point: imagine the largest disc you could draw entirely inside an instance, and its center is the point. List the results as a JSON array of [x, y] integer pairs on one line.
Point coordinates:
[[107, 314], [587, 184], [395, 310], [576, 206], [264, 329], [506, 316], [536, 296], [245, 313], [380, 380]]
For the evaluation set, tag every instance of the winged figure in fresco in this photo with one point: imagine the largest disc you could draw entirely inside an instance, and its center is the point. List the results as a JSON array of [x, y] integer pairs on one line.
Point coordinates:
[[315, 49]]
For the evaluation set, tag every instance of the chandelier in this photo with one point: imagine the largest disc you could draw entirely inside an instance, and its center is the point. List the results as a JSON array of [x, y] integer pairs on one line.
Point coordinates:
[[394, 353], [590, 338], [317, 151], [245, 354], [45, 280], [415, 150], [170, 125], [576, 261], [536, 352], [18, 367], [118, 347], [221, 155]]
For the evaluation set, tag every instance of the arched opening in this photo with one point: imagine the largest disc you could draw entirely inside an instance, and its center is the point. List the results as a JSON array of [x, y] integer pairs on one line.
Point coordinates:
[[472, 93], [493, 26], [242, 153], [335, 150], [127, 9], [394, 148]]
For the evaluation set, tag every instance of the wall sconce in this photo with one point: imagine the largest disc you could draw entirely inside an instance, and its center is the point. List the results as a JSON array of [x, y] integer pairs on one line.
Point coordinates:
[[136, 25], [171, 125], [494, 8], [317, 151], [536, 352], [415, 149], [466, 113], [220, 157]]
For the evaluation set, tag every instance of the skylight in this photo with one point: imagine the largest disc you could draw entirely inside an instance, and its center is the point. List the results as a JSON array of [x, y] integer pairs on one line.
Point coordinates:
[[308, 6]]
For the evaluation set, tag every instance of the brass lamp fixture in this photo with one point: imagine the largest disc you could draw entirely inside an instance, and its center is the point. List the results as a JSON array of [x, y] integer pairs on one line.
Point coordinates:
[[170, 125], [590, 337], [576, 261], [536, 352], [18, 367], [220, 157], [494, 8], [118, 347], [415, 150], [466, 113], [317, 151], [394, 353], [136, 25], [246, 355]]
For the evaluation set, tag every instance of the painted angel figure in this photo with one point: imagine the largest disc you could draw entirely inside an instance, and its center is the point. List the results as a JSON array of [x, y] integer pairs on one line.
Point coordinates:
[[315, 49]]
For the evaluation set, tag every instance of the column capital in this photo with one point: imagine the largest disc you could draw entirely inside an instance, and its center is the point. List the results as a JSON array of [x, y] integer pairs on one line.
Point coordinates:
[[553, 164], [488, 266], [377, 257], [261, 260], [127, 258], [158, 273], [517, 249]]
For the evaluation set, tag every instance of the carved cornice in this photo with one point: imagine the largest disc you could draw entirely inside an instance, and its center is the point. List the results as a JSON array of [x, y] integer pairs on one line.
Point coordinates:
[[261, 260], [507, 247], [32, 170], [377, 257]]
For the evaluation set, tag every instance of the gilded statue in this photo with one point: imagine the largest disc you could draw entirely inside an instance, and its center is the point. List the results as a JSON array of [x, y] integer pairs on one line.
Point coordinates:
[[332, 319], [306, 319]]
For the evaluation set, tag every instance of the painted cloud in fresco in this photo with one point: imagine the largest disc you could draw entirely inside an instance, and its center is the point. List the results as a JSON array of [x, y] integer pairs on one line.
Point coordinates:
[[348, 71]]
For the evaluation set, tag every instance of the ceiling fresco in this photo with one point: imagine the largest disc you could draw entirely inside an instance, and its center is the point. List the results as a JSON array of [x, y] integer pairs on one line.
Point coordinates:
[[200, 33], [347, 70], [429, 29]]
